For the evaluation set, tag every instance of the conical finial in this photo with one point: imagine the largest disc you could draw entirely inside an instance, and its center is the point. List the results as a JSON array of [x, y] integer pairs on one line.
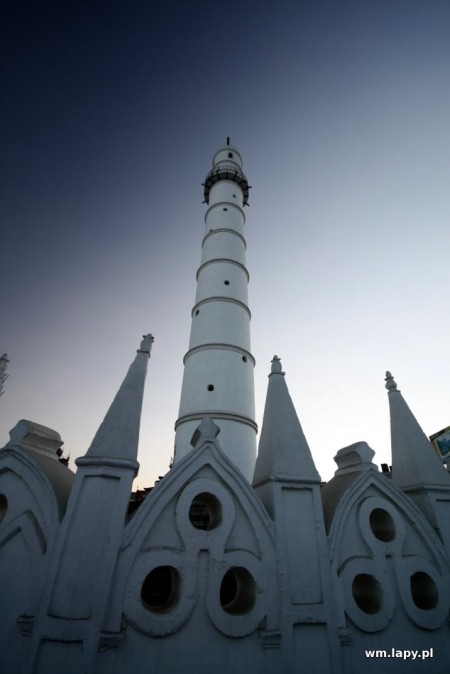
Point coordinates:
[[228, 140], [283, 450], [390, 383], [206, 430], [276, 366], [415, 464], [118, 434]]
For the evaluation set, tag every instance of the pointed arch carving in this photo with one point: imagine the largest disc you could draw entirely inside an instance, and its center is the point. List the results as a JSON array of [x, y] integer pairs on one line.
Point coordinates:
[[381, 546], [27, 533], [30, 499], [220, 560]]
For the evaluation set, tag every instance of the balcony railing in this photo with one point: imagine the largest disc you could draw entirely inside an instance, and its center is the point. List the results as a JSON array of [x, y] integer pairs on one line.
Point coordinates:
[[226, 172]]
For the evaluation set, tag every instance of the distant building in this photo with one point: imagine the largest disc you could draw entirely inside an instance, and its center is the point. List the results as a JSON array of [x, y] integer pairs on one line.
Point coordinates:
[[233, 562], [3, 376], [441, 443]]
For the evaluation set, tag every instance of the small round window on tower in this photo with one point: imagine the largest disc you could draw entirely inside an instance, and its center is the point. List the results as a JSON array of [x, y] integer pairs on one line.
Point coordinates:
[[230, 155], [197, 312], [210, 387], [227, 283], [244, 358], [225, 209]]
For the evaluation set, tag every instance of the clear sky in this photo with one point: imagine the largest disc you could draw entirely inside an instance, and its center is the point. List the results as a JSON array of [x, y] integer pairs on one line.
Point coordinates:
[[111, 113]]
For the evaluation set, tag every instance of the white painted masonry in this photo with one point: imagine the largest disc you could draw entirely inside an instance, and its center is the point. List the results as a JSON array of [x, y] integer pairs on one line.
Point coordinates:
[[227, 565]]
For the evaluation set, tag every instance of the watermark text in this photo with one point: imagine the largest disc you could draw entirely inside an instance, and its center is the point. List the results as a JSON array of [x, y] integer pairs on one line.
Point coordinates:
[[403, 654]]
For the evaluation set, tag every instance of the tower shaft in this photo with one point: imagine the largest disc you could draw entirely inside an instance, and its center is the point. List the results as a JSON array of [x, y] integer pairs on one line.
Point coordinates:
[[218, 367]]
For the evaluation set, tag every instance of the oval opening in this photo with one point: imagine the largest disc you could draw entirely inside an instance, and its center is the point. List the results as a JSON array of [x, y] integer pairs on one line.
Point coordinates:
[[367, 593], [424, 591], [3, 506], [237, 591], [205, 512], [160, 588], [382, 525]]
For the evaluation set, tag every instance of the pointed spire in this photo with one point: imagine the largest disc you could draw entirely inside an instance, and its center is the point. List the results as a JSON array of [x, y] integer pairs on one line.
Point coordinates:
[[118, 435], [283, 449], [414, 461]]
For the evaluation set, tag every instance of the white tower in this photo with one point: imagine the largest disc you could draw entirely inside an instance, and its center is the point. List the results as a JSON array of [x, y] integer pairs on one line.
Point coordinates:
[[218, 372]]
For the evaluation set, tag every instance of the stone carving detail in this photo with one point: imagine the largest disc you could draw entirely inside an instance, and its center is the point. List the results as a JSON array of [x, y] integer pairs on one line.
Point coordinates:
[[367, 580], [202, 550]]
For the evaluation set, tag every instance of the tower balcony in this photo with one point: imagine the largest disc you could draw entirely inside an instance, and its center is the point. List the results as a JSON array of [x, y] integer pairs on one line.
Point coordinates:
[[226, 172]]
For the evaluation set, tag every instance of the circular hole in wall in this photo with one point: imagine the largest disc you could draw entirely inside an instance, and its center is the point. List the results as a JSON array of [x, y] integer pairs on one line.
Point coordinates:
[[227, 283], [160, 588], [230, 155], [210, 387], [424, 591], [382, 525], [367, 593], [234, 196], [244, 358], [3, 506], [197, 312], [205, 512], [237, 591], [225, 209]]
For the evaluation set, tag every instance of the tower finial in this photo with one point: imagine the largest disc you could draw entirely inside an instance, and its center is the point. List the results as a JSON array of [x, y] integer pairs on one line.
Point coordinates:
[[276, 366], [228, 140], [146, 344], [390, 383]]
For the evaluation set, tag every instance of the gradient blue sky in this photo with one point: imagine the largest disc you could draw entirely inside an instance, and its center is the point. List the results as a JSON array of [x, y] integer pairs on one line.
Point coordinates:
[[111, 114]]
